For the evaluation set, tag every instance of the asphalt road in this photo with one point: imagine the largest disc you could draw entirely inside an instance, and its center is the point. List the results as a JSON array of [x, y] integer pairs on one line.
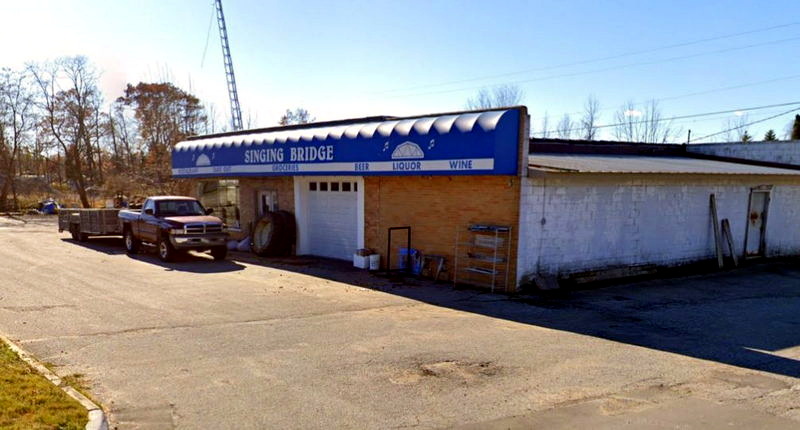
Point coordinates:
[[303, 343]]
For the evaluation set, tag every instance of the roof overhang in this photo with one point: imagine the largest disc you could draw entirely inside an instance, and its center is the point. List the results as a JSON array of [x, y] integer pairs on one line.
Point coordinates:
[[466, 143]]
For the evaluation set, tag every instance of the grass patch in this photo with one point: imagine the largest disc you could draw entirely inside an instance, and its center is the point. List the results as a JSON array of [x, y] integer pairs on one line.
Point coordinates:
[[29, 401]]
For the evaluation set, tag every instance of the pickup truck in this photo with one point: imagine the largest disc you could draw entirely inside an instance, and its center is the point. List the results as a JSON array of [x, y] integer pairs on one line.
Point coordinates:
[[173, 224]]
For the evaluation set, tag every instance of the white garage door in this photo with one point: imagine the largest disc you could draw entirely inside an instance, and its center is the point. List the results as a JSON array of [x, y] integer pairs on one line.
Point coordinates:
[[331, 224]]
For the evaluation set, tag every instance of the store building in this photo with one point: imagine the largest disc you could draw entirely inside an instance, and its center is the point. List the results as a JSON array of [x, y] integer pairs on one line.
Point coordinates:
[[348, 182], [501, 208]]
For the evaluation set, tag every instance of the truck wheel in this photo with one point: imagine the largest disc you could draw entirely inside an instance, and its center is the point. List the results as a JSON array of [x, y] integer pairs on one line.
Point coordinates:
[[165, 250], [131, 243], [266, 238], [219, 252], [288, 232]]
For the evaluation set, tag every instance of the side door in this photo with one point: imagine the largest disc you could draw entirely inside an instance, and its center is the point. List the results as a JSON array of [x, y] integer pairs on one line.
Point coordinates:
[[148, 224], [755, 240], [266, 201]]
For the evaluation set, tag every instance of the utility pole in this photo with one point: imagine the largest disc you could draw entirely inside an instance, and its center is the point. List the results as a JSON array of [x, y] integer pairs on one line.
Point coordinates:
[[233, 95]]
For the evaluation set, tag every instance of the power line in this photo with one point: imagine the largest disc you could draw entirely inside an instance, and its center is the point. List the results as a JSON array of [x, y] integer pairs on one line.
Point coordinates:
[[208, 36], [704, 92], [745, 125], [605, 69], [593, 60], [696, 115]]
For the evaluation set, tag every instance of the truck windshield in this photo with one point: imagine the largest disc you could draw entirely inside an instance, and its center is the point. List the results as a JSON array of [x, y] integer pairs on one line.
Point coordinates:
[[179, 208]]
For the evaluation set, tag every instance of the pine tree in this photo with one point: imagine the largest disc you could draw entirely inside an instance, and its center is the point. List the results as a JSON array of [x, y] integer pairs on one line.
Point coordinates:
[[770, 136], [746, 137], [796, 128]]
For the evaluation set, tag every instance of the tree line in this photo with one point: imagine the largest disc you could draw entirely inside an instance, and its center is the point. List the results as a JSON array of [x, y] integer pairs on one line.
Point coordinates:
[[56, 126], [632, 122]]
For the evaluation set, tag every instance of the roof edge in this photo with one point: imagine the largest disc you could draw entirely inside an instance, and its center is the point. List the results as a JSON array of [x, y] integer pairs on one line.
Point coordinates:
[[377, 118]]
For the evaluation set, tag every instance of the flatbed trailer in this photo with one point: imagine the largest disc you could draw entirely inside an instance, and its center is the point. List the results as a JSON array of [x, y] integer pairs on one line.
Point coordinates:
[[83, 223]]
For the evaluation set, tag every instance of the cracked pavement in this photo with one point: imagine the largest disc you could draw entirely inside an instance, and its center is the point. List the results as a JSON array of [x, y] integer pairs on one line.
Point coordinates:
[[306, 343]]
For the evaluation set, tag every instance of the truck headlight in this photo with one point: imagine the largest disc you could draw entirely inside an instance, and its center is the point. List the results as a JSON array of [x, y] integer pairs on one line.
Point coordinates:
[[177, 231]]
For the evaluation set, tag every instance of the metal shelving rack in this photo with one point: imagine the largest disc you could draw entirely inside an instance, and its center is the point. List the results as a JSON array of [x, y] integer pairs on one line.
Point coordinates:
[[482, 256]]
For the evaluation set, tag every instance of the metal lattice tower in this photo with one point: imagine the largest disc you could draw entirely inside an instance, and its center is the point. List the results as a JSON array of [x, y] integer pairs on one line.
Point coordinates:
[[233, 95]]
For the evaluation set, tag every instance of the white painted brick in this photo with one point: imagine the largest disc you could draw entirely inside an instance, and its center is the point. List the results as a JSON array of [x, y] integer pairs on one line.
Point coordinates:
[[662, 220]]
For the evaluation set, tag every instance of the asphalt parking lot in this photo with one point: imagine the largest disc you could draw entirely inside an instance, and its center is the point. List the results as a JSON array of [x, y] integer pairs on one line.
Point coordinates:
[[305, 343]]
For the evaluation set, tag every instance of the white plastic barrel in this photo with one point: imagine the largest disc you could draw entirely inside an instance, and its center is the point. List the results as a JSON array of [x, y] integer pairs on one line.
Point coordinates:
[[374, 262]]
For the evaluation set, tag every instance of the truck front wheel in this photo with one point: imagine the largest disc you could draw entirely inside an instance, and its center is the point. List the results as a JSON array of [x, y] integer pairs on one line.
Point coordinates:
[[131, 243], [219, 252], [165, 250]]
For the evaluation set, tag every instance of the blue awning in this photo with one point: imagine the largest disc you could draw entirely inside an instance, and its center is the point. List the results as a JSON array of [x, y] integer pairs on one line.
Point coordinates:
[[472, 143]]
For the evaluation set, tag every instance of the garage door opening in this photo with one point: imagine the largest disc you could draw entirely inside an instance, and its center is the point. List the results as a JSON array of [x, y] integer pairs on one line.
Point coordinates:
[[330, 216]]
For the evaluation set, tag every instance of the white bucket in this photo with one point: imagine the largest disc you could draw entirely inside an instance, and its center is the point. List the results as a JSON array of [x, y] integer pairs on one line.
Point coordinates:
[[375, 262], [361, 262]]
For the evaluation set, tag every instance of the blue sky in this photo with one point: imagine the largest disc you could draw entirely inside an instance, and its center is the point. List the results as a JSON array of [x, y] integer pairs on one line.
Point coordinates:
[[356, 58]]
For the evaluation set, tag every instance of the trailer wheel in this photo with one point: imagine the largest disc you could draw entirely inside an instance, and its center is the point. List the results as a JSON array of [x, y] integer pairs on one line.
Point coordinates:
[[73, 231], [165, 250], [77, 235], [131, 243]]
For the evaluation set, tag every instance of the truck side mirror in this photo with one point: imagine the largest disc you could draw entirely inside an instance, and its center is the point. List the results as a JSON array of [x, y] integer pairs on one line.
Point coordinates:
[[209, 211], [148, 211]]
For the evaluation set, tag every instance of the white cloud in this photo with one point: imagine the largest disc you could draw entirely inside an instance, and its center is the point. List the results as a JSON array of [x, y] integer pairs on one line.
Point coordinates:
[[633, 113]]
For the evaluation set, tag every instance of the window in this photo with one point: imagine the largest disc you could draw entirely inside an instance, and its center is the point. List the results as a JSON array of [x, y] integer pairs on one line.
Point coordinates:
[[149, 205], [223, 197], [323, 186], [355, 186], [334, 186], [178, 208], [345, 186], [312, 186]]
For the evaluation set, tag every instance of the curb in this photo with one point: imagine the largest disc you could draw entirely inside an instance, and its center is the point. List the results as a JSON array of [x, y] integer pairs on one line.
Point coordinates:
[[97, 418]]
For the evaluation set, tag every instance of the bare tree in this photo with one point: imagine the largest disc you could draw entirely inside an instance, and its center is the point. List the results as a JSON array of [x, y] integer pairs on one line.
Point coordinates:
[[297, 116], [499, 96], [545, 131], [16, 119], [736, 128], [644, 125], [69, 96], [627, 118], [565, 127], [591, 111]]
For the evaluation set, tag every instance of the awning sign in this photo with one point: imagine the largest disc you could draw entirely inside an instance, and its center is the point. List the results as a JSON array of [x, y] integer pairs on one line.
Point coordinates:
[[479, 143]]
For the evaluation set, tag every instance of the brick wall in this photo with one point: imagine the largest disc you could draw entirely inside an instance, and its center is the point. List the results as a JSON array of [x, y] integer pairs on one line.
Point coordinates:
[[248, 195], [436, 207], [571, 222]]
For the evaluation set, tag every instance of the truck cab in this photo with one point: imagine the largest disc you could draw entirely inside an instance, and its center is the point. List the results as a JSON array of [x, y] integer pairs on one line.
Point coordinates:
[[173, 224]]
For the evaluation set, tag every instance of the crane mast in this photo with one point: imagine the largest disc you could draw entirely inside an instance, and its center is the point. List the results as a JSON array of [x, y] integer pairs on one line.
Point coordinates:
[[233, 95]]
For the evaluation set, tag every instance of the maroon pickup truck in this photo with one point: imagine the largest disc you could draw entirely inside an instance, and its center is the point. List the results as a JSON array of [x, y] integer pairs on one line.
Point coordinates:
[[174, 224]]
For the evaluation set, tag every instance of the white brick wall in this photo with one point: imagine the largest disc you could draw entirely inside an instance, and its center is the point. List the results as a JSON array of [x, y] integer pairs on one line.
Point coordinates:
[[576, 222], [776, 152]]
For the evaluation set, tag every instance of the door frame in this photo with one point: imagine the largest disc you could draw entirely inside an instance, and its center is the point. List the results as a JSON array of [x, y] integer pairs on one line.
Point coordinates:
[[273, 193], [301, 208], [762, 243]]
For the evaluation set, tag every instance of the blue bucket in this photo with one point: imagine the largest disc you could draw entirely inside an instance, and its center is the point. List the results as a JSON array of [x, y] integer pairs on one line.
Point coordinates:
[[416, 261]]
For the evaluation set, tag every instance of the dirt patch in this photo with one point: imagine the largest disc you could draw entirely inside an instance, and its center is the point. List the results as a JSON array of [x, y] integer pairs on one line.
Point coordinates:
[[448, 370]]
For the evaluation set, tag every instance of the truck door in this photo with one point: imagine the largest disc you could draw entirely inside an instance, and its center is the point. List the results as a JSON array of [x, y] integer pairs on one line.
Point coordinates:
[[148, 224]]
